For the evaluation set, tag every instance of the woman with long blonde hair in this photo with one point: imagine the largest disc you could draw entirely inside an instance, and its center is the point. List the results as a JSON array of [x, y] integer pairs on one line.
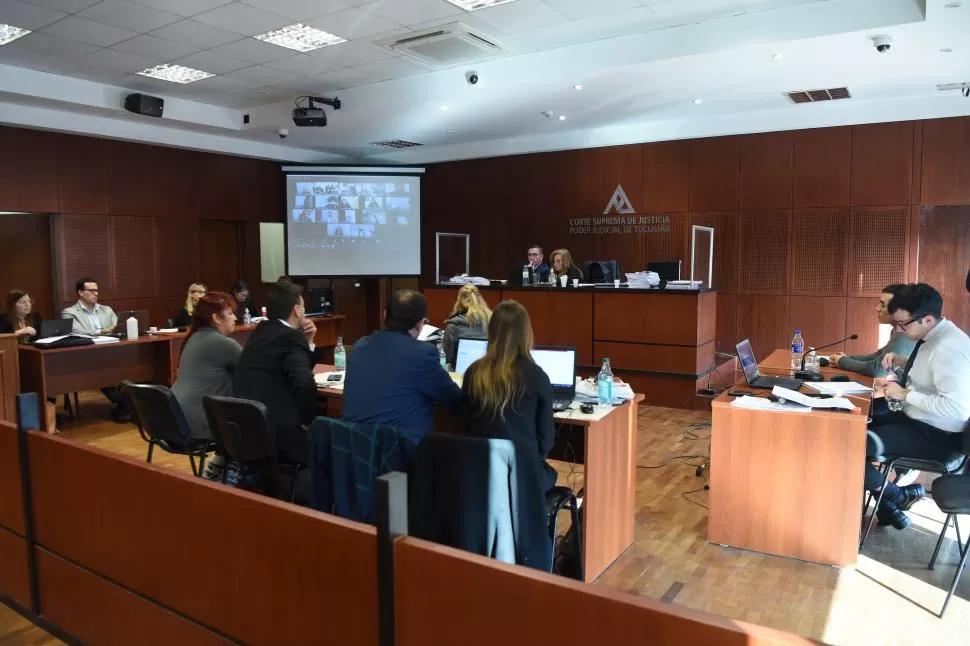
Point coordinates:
[[562, 265], [192, 296], [509, 396], [468, 319]]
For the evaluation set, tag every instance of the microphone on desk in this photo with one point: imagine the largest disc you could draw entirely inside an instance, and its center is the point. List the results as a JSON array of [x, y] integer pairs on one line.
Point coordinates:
[[805, 375]]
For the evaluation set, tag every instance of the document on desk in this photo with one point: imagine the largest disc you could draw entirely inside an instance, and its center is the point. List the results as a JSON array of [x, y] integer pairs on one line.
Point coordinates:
[[838, 403], [761, 403], [323, 380], [429, 333], [838, 387], [104, 340]]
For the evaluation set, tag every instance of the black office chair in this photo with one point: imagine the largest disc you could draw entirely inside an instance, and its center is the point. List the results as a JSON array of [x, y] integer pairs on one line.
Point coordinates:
[[567, 556], [241, 431], [161, 423], [952, 496], [601, 271], [954, 464]]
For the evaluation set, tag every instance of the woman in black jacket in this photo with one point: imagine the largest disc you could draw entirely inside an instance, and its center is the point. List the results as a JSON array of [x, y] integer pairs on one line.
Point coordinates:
[[18, 319], [468, 319], [192, 296], [562, 265], [509, 396]]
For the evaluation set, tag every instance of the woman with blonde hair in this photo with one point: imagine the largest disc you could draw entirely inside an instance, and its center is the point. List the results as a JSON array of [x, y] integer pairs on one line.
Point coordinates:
[[192, 296], [468, 319], [562, 265], [509, 396]]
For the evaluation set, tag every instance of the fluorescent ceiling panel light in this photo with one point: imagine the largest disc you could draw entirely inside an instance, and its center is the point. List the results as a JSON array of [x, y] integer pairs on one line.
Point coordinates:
[[300, 38], [472, 5], [175, 73], [9, 33]]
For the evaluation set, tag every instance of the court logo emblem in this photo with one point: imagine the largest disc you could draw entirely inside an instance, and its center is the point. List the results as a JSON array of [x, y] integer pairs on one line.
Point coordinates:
[[620, 202]]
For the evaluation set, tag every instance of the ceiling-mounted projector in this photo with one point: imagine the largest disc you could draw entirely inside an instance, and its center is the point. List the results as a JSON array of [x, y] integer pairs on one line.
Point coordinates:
[[310, 114]]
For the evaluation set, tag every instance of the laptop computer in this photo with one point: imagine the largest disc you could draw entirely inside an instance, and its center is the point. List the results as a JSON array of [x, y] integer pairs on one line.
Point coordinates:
[[469, 351], [559, 364], [749, 365], [56, 327]]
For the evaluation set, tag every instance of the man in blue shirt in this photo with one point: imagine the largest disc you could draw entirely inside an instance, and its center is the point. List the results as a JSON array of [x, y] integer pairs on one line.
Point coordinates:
[[540, 270], [392, 378]]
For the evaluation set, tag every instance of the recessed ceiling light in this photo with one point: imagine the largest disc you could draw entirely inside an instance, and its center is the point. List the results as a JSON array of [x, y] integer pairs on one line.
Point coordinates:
[[952, 5], [577, 87], [698, 101], [946, 50], [9, 33], [472, 5], [562, 117], [443, 107], [175, 73], [300, 37], [778, 56]]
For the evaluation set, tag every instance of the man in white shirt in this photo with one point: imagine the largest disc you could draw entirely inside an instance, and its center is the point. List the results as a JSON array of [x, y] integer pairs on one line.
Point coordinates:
[[935, 389]]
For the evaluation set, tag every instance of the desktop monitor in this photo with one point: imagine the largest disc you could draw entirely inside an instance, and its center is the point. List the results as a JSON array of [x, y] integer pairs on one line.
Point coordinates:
[[319, 300], [469, 351], [666, 269]]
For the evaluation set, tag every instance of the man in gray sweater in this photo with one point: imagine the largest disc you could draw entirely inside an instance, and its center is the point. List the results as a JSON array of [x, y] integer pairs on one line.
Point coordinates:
[[871, 364]]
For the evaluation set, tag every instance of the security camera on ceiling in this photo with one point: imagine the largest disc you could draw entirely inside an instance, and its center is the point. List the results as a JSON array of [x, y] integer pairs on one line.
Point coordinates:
[[882, 43], [310, 114]]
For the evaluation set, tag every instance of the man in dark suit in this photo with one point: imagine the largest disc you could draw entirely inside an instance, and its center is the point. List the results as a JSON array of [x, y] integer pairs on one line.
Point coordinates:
[[392, 378], [276, 368]]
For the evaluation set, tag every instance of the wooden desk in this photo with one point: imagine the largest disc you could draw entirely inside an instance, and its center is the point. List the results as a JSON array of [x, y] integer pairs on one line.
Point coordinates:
[[609, 457], [788, 484], [67, 370], [9, 378], [661, 342]]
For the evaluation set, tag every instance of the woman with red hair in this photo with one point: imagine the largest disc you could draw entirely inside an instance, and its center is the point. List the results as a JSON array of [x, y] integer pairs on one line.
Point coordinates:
[[209, 357]]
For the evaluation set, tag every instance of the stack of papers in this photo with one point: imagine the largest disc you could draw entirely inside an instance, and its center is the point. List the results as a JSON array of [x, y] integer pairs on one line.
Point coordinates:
[[101, 340], [465, 279], [812, 402], [586, 391], [643, 279], [838, 387], [430, 333], [760, 403]]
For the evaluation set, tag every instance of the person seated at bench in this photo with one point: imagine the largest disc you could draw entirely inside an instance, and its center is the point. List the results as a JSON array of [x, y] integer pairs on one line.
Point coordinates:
[[18, 319], [240, 293], [562, 265], [91, 317], [394, 379], [508, 396], [468, 319], [276, 368], [195, 292]]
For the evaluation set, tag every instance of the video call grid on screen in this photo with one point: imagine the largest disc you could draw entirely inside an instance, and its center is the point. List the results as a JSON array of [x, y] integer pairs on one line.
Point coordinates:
[[353, 225]]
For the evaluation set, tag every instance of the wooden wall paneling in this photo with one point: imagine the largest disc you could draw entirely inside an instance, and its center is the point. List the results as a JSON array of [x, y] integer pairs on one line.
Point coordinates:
[[25, 247], [819, 250], [820, 318], [727, 323], [548, 310], [626, 317], [944, 247], [860, 318], [726, 244], [621, 166], [82, 174], [915, 218], [882, 163], [83, 249], [666, 177], [351, 301], [878, 248], [220, 253], [714, 174], [763, 252], [133, 257], [36, 164], [822, 167], [14, 580], [176, 255], [9, 381], [9, 173], [764, 320], [917, 187], [131, 186], [177, 187], [945, 161], [766, 170], [11, 502]]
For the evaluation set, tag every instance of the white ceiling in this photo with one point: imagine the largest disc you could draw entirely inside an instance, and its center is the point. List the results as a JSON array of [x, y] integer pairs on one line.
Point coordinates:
[[641, 64]]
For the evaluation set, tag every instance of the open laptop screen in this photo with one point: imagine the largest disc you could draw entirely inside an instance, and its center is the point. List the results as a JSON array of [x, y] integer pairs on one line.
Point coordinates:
[[469, 351], [559, 364], [748, 363]]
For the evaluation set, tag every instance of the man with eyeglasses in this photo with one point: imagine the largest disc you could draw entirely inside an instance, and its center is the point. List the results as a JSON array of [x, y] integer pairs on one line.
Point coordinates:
[[540, 270], [899, 344], [91, 317], [935, 391]]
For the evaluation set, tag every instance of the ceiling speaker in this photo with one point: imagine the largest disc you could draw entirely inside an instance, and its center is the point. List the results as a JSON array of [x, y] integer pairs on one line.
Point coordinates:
[[150, 106]]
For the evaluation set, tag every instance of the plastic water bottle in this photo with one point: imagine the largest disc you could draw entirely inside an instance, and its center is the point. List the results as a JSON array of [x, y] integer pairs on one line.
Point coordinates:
[[797, 350], [340, 355], [442, 358], [525, 275], [604, 384], [131, 327], [247, 317]]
